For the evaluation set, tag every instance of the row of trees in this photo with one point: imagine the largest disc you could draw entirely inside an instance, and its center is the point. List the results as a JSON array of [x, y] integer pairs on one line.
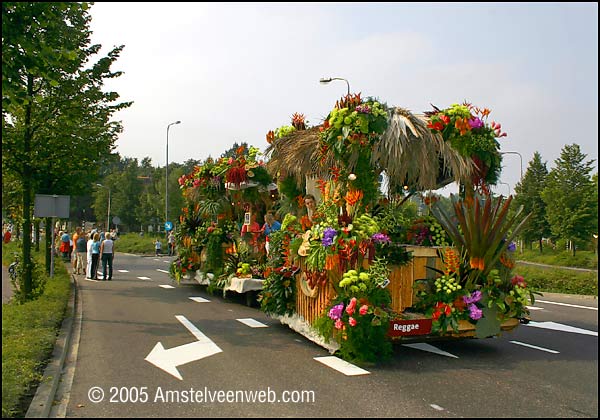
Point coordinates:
[[563, 201], [56, 116]]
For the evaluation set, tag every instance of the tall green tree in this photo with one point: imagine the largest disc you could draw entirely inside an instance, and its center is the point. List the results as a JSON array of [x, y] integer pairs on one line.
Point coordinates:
[[528, 194], [571, 197], [56, 126]]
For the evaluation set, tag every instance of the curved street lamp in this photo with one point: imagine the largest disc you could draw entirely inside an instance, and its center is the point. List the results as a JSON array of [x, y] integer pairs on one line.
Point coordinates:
[[326, 80], [520, 157], [167, 175], [108, 212]]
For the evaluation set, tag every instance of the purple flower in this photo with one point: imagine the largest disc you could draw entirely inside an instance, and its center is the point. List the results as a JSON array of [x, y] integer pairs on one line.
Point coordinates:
[[336, 312], [363, 109], [475, 312], [475, 122], [512, 247], [474, 297], [381, 238], [328, 235]]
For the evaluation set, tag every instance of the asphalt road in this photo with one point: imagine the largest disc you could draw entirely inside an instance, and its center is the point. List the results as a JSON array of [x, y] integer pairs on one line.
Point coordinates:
[[123, 320]]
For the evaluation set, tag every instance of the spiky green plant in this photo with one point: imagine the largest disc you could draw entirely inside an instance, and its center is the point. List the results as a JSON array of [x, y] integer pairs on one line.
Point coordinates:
[[480, 227]]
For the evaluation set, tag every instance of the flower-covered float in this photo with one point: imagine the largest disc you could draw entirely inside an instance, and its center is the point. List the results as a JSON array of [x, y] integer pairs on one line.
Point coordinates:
[[220, 194], [346, 277]]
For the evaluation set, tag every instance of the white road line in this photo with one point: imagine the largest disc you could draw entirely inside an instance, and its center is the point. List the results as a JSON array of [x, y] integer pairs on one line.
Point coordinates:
[[166, 261], [535, 347], [155, 259], [91, 280], [342, 366], [534, 308], [252, 323], [436, 407], [144, 278], [199, 299], [123, 271], [430, 348], [561, 327], [162, 271], [166, 286], [567, 304]]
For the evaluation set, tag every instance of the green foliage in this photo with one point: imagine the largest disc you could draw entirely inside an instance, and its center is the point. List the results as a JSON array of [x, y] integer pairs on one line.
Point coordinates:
[[571, 196], [482, 231], [28, 335], [56, 111], [528, 195], [556, 280]]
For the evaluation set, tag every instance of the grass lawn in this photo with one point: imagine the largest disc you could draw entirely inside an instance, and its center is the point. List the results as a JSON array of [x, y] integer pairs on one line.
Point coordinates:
[[29, 332]]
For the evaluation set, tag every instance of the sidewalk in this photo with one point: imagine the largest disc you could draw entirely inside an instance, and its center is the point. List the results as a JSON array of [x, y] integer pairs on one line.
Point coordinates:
[[557, 266]]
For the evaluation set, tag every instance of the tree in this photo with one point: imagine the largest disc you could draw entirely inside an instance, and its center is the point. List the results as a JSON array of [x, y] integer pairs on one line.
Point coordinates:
[[56, 126], [571, 198], [528, 194]]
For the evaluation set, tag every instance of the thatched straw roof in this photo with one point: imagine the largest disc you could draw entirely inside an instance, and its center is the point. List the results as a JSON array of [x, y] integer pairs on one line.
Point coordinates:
[[408, 152]]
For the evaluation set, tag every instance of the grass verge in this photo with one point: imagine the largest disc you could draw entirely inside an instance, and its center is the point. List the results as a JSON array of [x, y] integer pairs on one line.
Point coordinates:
[[29, 332]]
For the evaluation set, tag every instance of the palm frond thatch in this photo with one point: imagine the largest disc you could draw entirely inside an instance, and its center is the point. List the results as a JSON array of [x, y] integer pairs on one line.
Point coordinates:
[[408, 151], [298, 155], [412, 155]]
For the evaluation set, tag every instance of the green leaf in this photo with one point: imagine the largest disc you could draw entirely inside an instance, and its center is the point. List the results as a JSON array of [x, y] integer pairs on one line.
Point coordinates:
[[489, 325]]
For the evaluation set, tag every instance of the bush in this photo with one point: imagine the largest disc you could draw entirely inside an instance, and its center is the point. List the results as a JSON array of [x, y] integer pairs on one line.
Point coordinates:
[[559, 281]]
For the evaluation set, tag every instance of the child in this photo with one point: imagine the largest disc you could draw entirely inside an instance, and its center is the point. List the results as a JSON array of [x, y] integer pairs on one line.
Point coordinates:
[[157, 247]]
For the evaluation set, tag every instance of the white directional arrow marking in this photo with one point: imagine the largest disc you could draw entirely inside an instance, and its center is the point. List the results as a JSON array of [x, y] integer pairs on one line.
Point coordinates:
[[169, 359], [430, 348], [561, 327]]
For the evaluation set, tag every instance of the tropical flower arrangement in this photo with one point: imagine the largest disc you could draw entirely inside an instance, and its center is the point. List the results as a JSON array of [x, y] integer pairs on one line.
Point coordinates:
[[349, 133], [426, 231], [298, 123], [466, 128], [210, 177], [477, 284], [278, 295], [358, 318]]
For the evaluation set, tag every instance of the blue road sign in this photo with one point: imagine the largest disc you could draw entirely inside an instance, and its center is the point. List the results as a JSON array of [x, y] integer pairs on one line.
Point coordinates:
[[168, 226]]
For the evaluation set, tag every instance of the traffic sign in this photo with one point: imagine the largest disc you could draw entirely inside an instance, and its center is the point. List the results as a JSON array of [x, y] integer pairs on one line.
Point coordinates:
[[168, 226], [116, 220]]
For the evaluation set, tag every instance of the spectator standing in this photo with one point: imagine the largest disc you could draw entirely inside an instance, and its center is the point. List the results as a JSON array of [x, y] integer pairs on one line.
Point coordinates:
[[157, 247], [107, 252], [80, 254], [89, 246], [95, 256], [171, 243], [65, 245]]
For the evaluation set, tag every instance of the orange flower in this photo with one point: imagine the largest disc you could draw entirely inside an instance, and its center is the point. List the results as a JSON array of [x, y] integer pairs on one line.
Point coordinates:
[[462, 124], [270, 136], [353, 196]]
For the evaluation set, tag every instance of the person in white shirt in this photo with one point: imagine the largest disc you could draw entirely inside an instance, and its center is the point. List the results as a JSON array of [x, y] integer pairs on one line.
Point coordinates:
[[107, 252]]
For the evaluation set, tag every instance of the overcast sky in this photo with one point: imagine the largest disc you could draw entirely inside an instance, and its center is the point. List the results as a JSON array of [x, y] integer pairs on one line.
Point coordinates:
[[232, 72]]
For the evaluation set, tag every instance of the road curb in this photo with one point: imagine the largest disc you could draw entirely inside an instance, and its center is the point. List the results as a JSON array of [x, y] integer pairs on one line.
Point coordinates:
[[44, 396]]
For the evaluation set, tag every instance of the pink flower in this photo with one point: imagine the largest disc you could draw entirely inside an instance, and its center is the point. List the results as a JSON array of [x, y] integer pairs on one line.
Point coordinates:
[[518, 281], [363, 309], [352, 322], [339, 324], [351, 306]]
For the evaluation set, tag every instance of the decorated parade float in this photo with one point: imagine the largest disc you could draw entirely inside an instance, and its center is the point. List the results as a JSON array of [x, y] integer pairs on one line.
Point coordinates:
[[360, 270]]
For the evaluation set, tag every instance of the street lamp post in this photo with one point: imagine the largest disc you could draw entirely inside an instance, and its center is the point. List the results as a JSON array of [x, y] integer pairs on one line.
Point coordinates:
[[520, 157], [325, 80], [108, 212], [167, 175]]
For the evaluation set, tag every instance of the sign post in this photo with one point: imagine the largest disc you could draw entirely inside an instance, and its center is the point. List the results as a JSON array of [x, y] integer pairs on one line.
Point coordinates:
[[52, 206]]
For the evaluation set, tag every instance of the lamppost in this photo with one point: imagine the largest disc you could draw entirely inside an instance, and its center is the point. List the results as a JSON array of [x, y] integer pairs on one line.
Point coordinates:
[[167, 175], [325, 80], [520, 157], [108, 212]]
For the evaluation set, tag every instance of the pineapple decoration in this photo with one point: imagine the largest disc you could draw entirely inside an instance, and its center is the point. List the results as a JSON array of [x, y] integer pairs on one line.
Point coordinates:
[[298, 121]]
